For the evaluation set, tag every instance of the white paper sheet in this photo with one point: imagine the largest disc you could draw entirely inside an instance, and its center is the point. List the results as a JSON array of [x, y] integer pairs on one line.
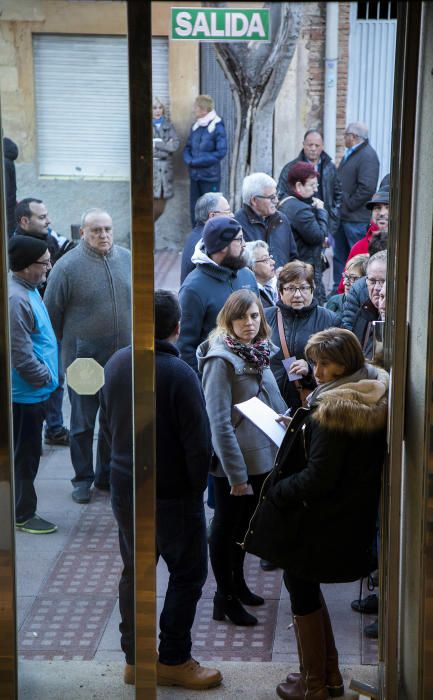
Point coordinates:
[[264, 418]]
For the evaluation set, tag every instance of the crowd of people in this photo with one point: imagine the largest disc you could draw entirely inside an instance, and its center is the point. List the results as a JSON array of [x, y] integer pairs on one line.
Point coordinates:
[[252, 320]]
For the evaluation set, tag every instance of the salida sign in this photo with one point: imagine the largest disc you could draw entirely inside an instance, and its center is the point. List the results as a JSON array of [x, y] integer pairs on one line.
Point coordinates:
[[220, 24]]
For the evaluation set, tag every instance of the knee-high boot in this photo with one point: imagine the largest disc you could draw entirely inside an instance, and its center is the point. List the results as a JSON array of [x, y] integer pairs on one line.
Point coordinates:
[[311, 684]]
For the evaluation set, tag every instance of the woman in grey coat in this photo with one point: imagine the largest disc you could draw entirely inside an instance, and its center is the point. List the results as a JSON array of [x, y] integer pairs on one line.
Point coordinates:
[[235, 363], [165, 142]]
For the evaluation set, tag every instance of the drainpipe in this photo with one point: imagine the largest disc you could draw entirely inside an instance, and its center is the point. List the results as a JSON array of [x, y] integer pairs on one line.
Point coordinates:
[[330, 115]]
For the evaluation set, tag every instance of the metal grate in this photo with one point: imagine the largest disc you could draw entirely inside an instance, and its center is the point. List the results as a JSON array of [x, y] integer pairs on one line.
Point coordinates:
[[376, 10]]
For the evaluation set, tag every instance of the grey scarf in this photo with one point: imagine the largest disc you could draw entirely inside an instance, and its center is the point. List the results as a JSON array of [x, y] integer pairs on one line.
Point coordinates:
[[366, 372]]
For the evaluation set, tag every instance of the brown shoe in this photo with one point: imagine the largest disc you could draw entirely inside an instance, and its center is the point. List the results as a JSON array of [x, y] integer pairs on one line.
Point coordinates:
[[129, 674], [188, 675]]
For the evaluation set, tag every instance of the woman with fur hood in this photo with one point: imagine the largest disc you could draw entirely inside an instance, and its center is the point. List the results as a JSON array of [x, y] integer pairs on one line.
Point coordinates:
[[317, 513]]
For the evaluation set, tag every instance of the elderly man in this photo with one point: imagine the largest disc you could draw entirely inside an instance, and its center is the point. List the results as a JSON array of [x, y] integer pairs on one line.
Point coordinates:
[[262, 264], [34, 372], [362, 303], [88, 297], [358, 171], [208, 206], [329, 185], [220, 270], [260, 219]]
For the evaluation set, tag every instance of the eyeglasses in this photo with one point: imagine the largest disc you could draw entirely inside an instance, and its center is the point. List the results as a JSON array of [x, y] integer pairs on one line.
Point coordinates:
[[265, 260], [303, 289], [350, 278], [99, 232], [271, 197], [239, 239], [223, 211], [373, 283], [45, 263]]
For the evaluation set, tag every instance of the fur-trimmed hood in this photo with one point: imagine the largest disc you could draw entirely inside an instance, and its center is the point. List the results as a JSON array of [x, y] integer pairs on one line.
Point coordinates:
[[356, 406]]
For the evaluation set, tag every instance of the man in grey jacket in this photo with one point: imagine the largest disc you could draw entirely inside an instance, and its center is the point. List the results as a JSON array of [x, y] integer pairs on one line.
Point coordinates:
[[88, 297], [358, 171]]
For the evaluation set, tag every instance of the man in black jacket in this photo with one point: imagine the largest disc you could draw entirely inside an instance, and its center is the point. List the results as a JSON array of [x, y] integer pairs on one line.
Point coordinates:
[[329, 185], [183, 452], [260, 219], [358, 171]]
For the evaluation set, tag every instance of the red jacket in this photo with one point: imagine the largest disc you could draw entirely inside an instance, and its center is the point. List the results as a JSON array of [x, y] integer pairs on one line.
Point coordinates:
[[360, 247]]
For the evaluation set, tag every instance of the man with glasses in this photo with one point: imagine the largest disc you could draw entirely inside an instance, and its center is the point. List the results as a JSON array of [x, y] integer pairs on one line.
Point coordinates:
[[260, 219], [88, 297], [207, 207], [220, 270], [34, 372], [362, 303], [262, 264], [358, 171]]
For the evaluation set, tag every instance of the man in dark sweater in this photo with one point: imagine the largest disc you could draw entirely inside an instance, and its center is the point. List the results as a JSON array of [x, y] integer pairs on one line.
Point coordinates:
[[183, 452]]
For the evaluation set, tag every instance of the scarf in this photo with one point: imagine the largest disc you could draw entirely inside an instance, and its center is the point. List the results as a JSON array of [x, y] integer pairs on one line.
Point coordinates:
[[204, 121], [366, 372], [158, 122], [256, 354]]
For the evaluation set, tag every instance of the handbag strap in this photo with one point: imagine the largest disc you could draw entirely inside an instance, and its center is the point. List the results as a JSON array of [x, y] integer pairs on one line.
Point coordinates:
[[283, 341]]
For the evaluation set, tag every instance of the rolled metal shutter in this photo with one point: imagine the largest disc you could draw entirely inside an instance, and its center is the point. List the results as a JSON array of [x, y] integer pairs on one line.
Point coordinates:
[[82, 111]]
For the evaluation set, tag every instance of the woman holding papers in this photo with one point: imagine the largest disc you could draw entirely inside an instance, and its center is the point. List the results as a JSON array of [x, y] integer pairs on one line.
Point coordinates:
[[234, 363], [317, 513], [293, 320]]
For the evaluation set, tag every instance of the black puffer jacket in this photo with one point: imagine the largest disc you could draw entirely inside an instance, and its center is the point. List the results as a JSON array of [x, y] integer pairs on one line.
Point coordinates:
[[274, 229], [310, 227], [329, 186], [318, 508], [359, 313], [299, 325]]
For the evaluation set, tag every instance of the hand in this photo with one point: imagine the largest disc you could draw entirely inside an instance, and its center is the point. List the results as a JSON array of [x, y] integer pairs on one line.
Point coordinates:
[[300, 367], [286, 420], [318, 203], [241, 490]]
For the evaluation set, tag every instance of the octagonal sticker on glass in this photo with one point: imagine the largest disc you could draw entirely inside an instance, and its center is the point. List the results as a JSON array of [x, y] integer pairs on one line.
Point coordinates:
[[85, 376]]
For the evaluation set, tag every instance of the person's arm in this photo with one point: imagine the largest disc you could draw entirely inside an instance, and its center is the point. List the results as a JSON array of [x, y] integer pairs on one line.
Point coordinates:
[[193, 313], [56, 298], [282, 244], [187, 151], [326, 460], [217, 385], [171, 144], [194, 430], [351, 307], [311, 225], [23, 358]]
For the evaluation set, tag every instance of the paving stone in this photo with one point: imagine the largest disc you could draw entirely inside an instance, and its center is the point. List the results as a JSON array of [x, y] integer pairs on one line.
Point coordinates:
[[95, 531], [84, 574]]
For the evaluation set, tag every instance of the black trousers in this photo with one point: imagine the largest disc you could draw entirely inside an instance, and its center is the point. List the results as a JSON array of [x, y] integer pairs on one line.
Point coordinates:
[[304, 595], [28, 419], [229, 525]]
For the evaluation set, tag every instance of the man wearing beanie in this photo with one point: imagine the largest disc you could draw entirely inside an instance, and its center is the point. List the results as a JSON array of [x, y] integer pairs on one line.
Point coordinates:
[[220, 270], [34, 372]]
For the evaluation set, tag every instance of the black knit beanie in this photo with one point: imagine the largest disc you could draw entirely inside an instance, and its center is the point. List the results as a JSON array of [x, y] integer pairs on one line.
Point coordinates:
[[24, 250]]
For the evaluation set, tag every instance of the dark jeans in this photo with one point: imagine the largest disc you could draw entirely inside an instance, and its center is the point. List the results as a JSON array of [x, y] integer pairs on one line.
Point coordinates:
[[304, 595], [28, 419], [181, 542], [197, 188], [229, 525], [347, 234], [54, 416], [83, 419]]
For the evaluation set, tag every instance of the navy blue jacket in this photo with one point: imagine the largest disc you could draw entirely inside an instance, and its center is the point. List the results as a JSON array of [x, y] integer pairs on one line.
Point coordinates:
[[183, 444], [188, 249], [204, 150], [358, 314], [201, 297], [274, 229]]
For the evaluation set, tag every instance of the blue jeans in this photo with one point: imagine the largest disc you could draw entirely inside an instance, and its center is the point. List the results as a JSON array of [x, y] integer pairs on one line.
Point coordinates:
[[83, 419], [197, 188], [27, 428], [347, 234], [54, 415], [181, 542]]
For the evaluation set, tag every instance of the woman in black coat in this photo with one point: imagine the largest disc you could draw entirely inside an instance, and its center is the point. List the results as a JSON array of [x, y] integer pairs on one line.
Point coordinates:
[[318, 507], [298, 315], [308, 218]]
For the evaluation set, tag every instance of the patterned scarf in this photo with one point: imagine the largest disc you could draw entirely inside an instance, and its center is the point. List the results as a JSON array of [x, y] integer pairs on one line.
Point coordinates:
[[256, 354]]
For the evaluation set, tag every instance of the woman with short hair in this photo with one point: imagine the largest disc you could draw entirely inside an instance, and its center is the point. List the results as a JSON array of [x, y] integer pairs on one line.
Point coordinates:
[[234, 363], [296, 316], [318, 509], [355, 269], [165, 142]]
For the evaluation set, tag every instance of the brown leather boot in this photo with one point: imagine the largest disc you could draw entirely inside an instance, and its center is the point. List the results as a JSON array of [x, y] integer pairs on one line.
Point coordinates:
[[129, 674], [188, 675], [312, 684]]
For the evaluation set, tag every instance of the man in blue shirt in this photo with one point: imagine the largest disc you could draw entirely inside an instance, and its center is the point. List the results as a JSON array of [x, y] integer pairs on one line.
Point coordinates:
[[34, 372]]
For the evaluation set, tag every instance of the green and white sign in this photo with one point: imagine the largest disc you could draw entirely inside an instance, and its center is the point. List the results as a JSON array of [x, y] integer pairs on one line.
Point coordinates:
[[219, 24]]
